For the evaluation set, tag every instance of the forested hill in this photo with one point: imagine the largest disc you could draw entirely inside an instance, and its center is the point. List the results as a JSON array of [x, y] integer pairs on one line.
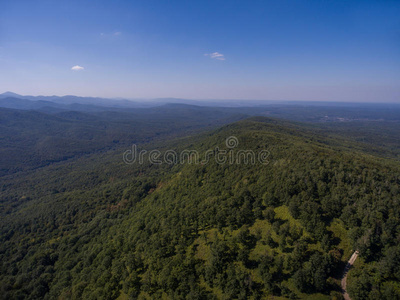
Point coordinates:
[[97, 228], [32, 139]]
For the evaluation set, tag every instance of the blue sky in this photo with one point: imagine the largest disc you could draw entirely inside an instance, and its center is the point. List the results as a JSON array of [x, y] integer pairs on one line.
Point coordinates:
[[272, 50]]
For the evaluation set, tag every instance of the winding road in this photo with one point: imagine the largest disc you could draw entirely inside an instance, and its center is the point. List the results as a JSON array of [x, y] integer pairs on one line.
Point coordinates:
[[344, 276]]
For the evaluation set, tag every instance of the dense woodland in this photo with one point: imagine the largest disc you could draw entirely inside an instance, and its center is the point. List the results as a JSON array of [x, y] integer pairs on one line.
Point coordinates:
[[89, 226]]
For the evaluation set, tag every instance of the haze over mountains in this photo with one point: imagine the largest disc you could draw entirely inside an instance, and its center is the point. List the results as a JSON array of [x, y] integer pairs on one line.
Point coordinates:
[[13, 100], [40, 130], [120, 103]]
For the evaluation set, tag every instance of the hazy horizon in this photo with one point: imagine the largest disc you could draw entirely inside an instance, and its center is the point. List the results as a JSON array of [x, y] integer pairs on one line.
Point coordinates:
[[200, 100]]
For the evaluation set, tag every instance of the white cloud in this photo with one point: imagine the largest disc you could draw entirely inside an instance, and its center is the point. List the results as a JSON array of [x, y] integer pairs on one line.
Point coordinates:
[[216, 55], [110, 34], [77, 68]]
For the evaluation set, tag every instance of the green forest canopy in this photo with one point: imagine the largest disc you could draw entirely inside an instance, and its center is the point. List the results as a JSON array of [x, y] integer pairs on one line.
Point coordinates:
[[96, 228]]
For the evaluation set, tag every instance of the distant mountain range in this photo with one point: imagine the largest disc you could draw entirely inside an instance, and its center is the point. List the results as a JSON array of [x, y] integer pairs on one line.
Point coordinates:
[[293, 110], [71, 102], [13, 100], [50, 101]]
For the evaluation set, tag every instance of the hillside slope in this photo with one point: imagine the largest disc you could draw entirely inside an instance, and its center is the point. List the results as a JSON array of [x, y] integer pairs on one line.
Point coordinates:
[[32, 139], [209, 230]]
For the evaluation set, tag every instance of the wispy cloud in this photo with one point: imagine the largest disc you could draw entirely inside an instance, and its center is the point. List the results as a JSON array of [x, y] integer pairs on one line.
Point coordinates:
[[216, 55], [77, 68], [115, 33]]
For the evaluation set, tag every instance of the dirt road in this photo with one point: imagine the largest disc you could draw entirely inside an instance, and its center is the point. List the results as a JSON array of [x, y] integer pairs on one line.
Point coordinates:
[[344, 276]]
